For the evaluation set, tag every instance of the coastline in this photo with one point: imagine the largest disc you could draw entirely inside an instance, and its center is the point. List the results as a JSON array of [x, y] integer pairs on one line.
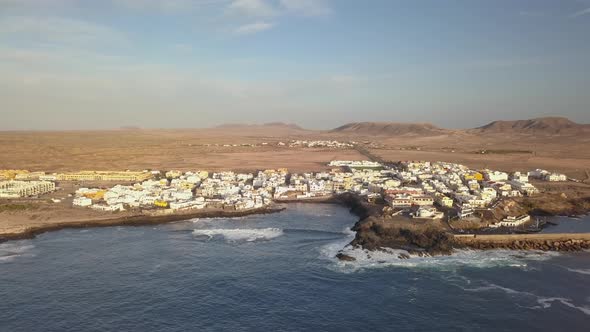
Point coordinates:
[[134, 220], [347, 200], [373, 230]]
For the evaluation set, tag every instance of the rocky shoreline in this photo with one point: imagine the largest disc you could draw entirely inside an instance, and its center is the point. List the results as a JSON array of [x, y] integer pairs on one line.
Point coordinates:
[[135, 220], [375, 231], [143, 219]]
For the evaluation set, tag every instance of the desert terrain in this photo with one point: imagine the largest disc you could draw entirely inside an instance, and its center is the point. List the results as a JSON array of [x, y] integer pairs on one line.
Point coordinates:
[[554, 144]]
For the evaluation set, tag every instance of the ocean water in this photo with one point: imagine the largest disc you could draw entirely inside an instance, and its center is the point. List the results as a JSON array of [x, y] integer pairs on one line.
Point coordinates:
[[568, 225], [277, 273]]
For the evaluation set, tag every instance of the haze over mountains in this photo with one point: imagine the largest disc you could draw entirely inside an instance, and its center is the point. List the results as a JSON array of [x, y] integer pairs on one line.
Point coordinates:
[[546, 126], [390, 129], [537, 126]]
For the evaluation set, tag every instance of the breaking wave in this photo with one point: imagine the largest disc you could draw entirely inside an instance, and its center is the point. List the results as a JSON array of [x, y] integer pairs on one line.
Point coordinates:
[[388, 257], [238, 235], [12, 250]]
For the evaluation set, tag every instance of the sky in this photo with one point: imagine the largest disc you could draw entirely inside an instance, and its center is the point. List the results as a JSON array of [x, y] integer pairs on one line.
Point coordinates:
[[87, 64]]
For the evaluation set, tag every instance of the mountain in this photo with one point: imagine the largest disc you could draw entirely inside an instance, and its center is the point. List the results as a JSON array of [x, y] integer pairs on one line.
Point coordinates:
[[543, 126], [390, 129], [291, 126], [273, 129]]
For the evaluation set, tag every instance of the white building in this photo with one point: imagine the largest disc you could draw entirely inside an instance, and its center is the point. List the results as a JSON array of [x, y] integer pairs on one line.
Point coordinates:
[[15, 189], [82, 201]]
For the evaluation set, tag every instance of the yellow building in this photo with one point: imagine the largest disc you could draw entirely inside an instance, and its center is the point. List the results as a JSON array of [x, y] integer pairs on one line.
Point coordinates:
[[96, 195], [127, 176], [162, 204], [173, 174], [474, 176], [10, 174], [28, 175]]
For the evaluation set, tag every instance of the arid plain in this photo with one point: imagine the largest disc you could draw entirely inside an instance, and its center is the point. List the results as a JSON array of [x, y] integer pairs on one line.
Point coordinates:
[[248, 148]]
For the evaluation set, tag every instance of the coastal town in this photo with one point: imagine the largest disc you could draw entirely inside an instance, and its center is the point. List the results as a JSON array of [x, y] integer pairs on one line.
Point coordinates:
[[418, 190]]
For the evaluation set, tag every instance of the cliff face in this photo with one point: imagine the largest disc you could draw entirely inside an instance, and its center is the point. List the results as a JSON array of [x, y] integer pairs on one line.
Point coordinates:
[[375, 233]]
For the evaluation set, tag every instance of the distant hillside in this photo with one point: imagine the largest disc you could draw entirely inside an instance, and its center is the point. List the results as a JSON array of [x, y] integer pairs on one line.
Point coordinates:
[[390, 129], [545, 126], [265, 125], [273, 129]]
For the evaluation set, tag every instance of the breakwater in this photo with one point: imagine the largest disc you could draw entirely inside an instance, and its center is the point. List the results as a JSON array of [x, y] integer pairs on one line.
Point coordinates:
[[546, 242]]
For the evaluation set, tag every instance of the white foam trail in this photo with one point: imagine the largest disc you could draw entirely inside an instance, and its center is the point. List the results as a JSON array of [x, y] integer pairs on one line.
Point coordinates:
[[235, 235], [491, 287], [581, 271], [545, 303], [209, 219], [10, 251]]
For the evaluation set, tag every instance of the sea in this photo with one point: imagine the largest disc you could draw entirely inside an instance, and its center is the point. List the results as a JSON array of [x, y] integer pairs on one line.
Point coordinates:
[[277, 272]]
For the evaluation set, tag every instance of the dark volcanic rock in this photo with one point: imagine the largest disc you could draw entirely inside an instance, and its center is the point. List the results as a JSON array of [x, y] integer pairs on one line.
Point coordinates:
[[344, 257]]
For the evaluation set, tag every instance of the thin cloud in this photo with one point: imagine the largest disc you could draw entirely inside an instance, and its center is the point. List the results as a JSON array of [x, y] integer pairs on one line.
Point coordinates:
[[307, 7], [252, 28], [580, 13], [166, 5], [58, 30], [258, 8]]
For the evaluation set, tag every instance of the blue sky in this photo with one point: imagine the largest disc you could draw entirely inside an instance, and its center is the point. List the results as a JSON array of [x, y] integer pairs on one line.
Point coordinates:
[[85, 64]]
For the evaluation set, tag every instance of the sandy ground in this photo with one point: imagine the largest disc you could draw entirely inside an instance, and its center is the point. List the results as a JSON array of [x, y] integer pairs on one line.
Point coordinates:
[[42, 213], [157, 149], [569, 155], [187, 149]]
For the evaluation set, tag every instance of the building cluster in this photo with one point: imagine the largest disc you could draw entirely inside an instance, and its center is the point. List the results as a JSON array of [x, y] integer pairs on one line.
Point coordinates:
[[187, 191], [424, 189], [19, 174], [355, 164], [16, 189], [544, 175], [453, 185], [125, 176], [321, 144]]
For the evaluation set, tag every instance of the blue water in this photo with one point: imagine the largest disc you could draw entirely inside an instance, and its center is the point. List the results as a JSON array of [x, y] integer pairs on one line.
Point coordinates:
[[277, 273], [568, 225]]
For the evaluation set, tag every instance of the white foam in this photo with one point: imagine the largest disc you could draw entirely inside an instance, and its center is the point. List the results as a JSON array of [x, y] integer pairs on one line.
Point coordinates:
[[546, 302], [9, 251], [543, 302], [239, 234], [210, 219], [396, 258], [581, 271]]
